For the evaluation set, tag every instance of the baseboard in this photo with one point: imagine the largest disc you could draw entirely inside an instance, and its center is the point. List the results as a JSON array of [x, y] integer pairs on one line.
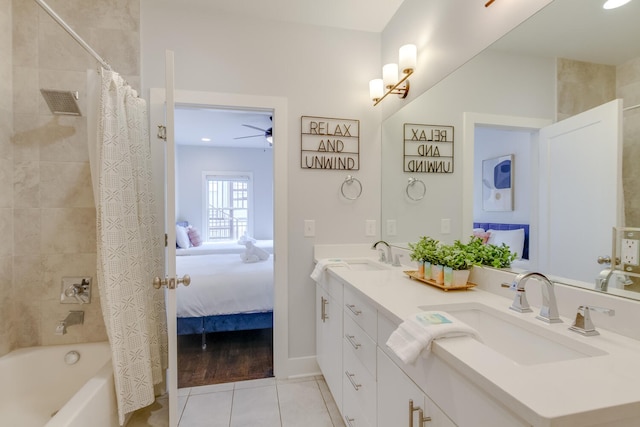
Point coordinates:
[[300, 367]]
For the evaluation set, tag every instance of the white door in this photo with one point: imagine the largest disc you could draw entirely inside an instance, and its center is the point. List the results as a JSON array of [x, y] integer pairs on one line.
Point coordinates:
[[161, 111], [580, 191]]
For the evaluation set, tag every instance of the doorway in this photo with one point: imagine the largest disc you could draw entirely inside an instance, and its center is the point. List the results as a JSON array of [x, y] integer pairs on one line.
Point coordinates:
[[224, 198]]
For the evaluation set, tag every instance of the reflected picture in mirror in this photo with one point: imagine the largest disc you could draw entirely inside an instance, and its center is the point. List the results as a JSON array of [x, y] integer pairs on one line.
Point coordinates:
[[497, 188]]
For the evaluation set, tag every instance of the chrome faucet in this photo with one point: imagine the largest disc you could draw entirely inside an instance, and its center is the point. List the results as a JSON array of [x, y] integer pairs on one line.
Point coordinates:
[[583, 324], [383, 258], [602, 281], [549, 310], [75, 317]]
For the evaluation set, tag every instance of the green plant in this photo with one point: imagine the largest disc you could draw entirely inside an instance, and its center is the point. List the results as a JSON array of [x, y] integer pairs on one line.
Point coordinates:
[[491, 255], [458, 256], [424, 249]]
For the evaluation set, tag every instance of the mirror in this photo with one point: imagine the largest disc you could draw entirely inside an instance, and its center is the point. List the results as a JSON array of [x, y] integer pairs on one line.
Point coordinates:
[[518, 77]]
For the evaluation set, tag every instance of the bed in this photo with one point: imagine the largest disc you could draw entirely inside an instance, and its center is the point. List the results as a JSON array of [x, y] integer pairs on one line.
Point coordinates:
[[226, 293], [506, 228]]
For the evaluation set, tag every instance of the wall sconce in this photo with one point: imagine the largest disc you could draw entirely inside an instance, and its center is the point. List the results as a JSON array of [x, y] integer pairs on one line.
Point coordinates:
[[390, 83]]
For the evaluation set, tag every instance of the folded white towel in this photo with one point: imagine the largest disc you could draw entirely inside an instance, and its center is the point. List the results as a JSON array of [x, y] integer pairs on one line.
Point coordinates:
[[246, 238], [323, 264], [245, 257], [416, 333], [253, 253]]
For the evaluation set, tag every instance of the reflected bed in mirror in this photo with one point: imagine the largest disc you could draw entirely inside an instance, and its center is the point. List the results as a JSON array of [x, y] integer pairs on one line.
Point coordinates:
[[538, 74]]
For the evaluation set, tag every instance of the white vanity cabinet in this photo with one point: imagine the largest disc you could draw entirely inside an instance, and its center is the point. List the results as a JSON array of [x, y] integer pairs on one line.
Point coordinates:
[[329, 301], [401, 403]]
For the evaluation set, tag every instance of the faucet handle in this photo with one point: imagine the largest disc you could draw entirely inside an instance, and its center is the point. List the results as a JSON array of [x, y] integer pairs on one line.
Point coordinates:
[[396, 261], [520, 303], [583, 323]]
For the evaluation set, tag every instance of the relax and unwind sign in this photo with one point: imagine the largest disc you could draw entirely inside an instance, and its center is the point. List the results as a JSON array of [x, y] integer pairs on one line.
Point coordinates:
[[428, 148], [330, 143]]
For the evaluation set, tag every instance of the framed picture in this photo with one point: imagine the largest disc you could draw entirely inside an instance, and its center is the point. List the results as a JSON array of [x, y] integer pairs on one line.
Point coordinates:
[[497, 183]]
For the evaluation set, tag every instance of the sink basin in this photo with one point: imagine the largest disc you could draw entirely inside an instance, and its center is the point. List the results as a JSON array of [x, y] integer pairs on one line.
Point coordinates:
[[517, 339], [365, 265]]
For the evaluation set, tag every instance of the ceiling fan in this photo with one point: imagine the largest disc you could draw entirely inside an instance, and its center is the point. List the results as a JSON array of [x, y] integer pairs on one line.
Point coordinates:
[[266, 133]]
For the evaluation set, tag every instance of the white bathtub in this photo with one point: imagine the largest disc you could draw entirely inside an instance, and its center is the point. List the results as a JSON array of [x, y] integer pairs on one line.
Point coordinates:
[[37, 387]]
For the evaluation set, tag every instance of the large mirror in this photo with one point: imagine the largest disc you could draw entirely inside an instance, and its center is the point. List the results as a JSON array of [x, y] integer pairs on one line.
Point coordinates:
[[570, 57]]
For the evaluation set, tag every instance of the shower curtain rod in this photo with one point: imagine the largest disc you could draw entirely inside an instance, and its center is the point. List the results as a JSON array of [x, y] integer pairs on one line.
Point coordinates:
[[72, 33]]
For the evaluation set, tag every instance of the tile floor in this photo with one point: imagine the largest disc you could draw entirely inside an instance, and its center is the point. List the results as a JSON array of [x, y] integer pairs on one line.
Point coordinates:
[[302, 402]]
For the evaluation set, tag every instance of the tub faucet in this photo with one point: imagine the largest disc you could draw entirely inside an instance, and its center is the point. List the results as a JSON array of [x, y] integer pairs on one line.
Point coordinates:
[[383, 258], [549, 310], [75, 317]]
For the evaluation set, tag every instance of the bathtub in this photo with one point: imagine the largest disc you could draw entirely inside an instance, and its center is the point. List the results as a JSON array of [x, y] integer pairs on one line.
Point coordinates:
[[38, 388]]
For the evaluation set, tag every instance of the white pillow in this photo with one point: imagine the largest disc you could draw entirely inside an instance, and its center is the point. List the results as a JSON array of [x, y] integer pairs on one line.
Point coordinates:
[[182, 237], [512, 238]]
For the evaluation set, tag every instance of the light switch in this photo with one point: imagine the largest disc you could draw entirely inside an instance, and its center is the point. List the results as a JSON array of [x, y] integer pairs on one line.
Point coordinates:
[[391, 227], [445, 226], [309, 228], [370, 227]]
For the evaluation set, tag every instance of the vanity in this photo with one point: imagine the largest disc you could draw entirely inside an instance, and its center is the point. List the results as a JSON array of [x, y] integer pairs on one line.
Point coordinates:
[[524, 372]]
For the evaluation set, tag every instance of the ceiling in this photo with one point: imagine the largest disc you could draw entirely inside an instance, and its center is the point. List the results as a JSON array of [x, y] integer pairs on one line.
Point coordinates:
[[571, 29]]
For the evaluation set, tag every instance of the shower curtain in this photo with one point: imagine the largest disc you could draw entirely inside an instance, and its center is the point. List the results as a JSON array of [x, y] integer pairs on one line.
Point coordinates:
[[130, 246]]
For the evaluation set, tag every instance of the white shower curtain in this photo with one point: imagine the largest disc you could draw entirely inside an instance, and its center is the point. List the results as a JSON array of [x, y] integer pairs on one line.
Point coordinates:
[[130, 246]]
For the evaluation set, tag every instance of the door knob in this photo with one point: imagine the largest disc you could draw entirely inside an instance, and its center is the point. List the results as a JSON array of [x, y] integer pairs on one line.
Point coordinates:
[[171, 283]]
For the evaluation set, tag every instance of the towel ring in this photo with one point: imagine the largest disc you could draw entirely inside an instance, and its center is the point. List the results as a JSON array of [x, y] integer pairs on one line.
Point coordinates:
[[348, 181], [411, 184]]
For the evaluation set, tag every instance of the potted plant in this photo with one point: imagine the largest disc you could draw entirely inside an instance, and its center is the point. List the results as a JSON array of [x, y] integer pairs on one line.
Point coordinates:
[[423, 252], [457, 260]]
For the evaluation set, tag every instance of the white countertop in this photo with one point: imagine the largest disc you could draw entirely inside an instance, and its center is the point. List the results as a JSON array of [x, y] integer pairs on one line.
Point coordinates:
[[576, 392]]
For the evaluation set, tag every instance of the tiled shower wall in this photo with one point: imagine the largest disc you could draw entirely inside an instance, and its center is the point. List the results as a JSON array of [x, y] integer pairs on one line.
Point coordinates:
[[54, 232], [628, 88], [7, 338]]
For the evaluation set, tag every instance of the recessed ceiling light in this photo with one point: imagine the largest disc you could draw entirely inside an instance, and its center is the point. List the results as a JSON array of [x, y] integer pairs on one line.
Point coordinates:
[[612, 4], [205, 139]]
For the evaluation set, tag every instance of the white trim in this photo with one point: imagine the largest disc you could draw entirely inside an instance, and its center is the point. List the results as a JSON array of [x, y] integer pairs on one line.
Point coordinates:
[[470, 121], [278, 105]]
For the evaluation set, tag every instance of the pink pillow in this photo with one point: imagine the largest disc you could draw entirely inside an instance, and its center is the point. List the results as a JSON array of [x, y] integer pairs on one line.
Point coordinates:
[[194, 236], [484, 235]]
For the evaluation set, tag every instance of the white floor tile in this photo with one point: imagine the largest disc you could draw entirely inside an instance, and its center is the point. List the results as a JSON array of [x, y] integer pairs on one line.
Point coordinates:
[[301, 404], [263, 382], [214, 388], [255, 407], [332, 407], [207, 410]]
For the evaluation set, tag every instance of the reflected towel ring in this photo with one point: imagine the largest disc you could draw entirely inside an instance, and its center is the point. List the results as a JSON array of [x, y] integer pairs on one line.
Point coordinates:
[[350, 180], [412, 183]]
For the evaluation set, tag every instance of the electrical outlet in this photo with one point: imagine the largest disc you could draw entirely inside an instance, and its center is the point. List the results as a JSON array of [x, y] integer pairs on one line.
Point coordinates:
[[370, 227], [309, 228], [391, 227], [629, 251]]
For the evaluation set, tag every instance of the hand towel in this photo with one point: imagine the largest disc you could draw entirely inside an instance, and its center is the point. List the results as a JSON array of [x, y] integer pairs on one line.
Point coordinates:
[[255, 250], [246, 238], [323, 264], [417, 332]]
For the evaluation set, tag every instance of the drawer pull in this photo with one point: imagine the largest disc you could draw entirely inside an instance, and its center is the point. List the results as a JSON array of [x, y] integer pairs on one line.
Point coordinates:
[[349, 420], [352, 341], [323, 309], [354, 310], [421, 418], [352, 381]]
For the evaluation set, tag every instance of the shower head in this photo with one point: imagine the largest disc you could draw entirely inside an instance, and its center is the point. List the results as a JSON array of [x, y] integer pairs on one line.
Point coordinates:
[[62, 101]]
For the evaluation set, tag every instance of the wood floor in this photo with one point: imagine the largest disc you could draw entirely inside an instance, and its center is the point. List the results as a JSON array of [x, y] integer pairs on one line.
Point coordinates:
[[229, 357]]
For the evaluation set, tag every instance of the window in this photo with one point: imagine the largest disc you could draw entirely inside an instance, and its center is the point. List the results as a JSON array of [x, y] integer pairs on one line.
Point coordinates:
[[227, 205]]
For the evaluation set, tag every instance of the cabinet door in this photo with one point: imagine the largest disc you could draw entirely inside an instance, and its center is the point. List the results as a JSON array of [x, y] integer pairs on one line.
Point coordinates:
[[396, 391], [329, 341]]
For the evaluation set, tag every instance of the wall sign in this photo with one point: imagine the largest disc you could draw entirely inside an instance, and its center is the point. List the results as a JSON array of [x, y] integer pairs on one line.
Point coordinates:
[[428, 148], [330, 143]]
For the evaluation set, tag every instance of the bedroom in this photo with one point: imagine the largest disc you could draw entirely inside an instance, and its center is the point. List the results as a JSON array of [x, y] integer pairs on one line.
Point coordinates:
[[224, 161]]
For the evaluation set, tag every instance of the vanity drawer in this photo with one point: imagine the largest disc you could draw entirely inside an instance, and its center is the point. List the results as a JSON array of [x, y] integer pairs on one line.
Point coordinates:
[[363, 346], [356, 307], [358, 388]]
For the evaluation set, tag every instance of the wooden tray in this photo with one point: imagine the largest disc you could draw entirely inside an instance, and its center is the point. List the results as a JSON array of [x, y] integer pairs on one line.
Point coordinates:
[[414, 275]]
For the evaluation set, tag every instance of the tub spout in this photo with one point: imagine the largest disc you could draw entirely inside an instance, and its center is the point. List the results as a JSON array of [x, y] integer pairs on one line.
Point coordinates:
[[75, 317]]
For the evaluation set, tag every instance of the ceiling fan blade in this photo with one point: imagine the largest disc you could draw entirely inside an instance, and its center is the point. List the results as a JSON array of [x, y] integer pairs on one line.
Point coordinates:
[[256, 128], [250, 136]]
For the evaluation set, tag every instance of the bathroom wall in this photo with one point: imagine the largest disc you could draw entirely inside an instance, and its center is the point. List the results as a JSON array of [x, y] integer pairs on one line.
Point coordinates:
[[54, 232], [7, 338]]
